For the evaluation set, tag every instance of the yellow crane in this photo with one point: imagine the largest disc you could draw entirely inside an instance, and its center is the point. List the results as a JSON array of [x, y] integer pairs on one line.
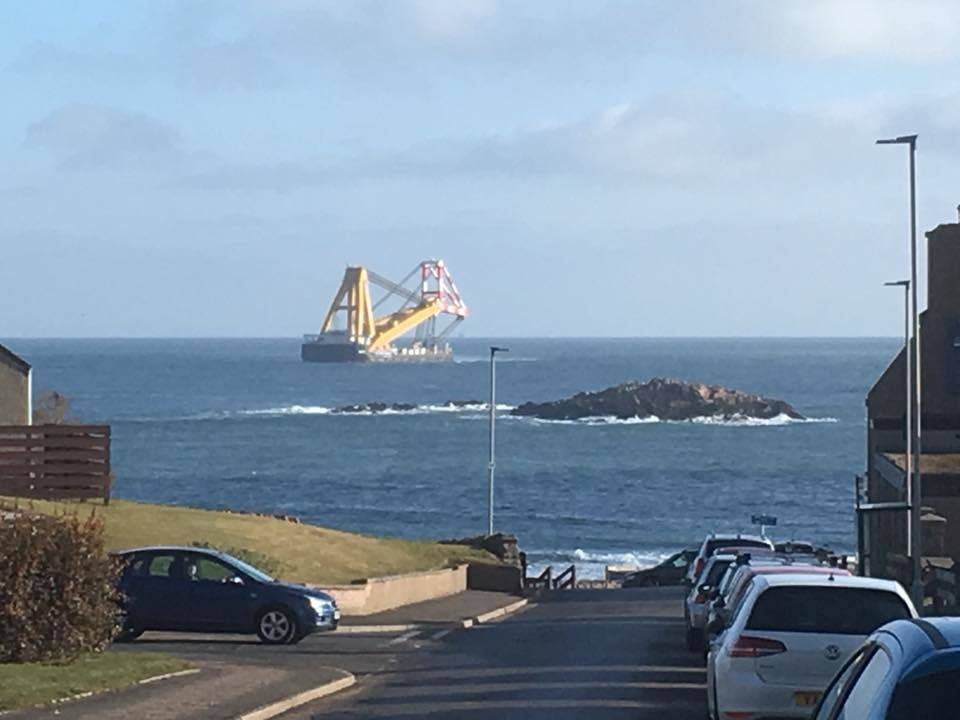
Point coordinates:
[[366, 336]]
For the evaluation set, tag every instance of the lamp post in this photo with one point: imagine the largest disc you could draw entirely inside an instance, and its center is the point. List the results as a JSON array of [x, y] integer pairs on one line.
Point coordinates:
[[908, 412], [916, 481], [492, 463]]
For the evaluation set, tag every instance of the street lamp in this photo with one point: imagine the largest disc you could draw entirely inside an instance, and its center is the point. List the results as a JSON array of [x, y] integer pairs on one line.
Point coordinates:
[[908, 415], [492, 463], [915, 481]]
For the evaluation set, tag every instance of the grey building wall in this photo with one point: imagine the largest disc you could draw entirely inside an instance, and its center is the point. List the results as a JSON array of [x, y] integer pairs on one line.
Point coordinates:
[[14, 389]]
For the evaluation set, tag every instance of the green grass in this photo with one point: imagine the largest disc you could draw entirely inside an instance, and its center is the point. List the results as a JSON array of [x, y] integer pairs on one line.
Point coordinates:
[[299, 552], [28, 684]]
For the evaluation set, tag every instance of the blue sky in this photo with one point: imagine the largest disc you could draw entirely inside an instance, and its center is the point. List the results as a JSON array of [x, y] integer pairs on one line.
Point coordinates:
[[603, 168]]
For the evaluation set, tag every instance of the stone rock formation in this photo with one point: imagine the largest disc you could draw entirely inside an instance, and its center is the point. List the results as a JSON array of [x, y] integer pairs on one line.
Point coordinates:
[[664, 398]]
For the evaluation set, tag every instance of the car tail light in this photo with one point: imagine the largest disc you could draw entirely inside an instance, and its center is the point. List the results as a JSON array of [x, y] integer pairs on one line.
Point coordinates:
[[748, 646]]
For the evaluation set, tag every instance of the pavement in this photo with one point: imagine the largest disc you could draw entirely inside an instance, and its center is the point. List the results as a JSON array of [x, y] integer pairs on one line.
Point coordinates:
[[598, 654], [238, 674]]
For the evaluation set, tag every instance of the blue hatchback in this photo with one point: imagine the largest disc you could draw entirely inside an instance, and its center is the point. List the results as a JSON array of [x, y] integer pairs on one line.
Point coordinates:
[[906, 670], [193, 589]]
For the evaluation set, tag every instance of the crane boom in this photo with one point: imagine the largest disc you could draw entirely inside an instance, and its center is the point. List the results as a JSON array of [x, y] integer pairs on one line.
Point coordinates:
[[367, 337]]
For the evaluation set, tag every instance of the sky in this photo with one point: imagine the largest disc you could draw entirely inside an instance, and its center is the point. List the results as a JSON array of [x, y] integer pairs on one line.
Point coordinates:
[[602, 168]]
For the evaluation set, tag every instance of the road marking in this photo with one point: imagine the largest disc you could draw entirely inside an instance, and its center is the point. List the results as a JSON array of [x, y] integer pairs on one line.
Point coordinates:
[[402, 639], [282, 706], [440, 635]]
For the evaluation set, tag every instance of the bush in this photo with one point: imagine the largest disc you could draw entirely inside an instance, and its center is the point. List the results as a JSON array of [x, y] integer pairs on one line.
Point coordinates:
[[58, 588]]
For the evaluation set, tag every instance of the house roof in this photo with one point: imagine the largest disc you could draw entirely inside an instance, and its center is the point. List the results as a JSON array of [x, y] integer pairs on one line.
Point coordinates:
[[8, 357]]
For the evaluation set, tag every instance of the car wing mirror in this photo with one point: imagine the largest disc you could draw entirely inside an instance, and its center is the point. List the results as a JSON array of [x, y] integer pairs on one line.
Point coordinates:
[[704, 588]]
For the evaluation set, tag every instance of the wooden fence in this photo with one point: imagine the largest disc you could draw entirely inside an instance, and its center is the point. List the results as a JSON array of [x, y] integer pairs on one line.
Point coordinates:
[[55, 461]]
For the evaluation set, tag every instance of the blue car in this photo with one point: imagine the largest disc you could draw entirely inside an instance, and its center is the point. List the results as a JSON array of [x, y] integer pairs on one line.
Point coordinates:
[[192, 589], [906, 670]]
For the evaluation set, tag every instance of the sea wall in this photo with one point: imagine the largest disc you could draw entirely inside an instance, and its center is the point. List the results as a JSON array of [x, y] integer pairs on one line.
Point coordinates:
[[373, 595]]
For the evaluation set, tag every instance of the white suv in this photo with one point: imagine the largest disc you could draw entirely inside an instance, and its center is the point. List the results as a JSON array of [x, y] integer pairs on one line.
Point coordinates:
[[789, 636]]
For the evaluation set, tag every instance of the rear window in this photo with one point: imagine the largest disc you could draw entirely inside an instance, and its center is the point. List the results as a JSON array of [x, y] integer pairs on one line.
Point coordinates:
[[832, 610], [717, 570], [734, 542]]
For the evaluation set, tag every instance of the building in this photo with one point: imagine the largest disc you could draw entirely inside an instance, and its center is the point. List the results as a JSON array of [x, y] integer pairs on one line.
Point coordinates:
[[16, 389], [882, 532]]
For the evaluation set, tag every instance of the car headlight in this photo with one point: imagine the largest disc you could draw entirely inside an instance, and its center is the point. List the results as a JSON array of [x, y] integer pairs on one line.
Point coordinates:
[[321, 606]]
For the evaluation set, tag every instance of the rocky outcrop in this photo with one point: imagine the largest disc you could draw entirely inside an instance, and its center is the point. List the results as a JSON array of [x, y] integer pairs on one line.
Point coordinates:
[[374, 407], [664, 398]]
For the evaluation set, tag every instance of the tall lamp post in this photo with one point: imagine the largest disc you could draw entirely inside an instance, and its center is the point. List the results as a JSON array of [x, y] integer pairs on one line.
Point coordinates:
[[492, 462], [916, 481], [908, 411]]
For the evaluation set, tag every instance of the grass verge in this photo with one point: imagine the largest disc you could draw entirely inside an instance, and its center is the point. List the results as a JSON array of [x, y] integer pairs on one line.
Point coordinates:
[[28, 684], [292, 551]]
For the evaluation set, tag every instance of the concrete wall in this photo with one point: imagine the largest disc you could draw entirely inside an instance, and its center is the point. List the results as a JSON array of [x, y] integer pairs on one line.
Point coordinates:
[[14, 393], [378, 594]]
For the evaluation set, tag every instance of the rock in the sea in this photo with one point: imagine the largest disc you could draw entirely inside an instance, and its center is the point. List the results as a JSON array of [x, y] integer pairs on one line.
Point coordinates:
[[664, 398], [374, 407]]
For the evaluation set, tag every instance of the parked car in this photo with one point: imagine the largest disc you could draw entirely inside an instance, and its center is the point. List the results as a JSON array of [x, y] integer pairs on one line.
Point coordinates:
[[907, 670], [670, 572], [788, 638], [737, 579], [714, 541], [695, 604], [193, 589]]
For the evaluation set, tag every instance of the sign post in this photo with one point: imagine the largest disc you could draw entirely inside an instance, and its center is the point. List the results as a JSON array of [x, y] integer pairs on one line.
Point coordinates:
[[764, 521]]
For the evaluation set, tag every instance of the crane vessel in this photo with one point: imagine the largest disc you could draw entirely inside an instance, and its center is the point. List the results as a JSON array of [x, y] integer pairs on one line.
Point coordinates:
[[353, 331]]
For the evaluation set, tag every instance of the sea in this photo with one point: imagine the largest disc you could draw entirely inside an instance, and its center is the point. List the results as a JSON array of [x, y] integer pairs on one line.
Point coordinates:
[[244, 424]]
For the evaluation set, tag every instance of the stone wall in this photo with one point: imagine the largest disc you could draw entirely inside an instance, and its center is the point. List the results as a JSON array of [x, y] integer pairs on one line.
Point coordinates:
[[14, 394], [374, 595]]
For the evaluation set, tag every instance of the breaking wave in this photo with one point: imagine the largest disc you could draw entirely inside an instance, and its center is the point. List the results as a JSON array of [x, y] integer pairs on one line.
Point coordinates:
[[323, 410], [718, 420]]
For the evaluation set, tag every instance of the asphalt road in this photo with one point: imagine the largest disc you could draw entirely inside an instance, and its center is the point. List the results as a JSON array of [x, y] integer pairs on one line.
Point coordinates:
[[599, 654]]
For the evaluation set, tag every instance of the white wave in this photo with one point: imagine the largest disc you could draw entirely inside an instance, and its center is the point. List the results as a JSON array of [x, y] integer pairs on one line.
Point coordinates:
[[591, 564], [717, 420], [322, 410], [289, 410]]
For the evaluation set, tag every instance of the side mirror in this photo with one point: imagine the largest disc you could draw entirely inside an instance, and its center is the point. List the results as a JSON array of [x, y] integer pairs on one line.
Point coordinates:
[[704, 588]]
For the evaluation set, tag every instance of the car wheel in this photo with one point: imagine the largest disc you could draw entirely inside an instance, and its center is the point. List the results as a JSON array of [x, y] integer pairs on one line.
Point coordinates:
[[277, 626], [694, 639]]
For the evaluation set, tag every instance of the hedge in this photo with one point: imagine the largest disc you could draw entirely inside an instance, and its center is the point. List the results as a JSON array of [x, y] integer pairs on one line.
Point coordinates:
[[58, 587]]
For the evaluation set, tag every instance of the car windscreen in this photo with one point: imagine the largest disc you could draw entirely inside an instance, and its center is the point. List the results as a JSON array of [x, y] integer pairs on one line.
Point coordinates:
[[250, 570], [829, 610], [926, 697]]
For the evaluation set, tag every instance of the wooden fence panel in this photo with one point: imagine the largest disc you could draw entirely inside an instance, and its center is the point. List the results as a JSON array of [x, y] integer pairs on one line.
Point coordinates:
[[55, 461]]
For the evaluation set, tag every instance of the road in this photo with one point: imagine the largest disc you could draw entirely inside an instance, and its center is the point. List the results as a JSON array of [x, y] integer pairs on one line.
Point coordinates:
[[599, 654]]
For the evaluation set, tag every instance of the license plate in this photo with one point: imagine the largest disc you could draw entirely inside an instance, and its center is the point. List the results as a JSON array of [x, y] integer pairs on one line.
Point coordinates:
[[806, 699]]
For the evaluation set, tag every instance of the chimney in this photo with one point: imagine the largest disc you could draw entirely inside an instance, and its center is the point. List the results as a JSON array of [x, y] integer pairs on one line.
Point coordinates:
[[943, 269]]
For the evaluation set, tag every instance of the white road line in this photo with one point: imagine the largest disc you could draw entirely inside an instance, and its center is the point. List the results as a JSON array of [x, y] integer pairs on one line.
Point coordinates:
[[401, 639], [440, 635]]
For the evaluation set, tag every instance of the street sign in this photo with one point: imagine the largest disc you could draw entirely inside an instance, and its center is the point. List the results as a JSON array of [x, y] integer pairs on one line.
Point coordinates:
[[770, 520]]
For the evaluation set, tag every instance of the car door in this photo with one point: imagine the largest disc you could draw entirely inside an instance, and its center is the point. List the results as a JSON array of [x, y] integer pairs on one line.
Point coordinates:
[[152, 593], [219, 597]]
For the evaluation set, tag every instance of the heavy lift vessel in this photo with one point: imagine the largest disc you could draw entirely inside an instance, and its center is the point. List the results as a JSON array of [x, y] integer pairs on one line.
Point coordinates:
[[351, 331]]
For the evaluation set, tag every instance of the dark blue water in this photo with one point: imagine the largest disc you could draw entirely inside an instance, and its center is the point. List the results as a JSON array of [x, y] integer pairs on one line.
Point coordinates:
[[243, 423]]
